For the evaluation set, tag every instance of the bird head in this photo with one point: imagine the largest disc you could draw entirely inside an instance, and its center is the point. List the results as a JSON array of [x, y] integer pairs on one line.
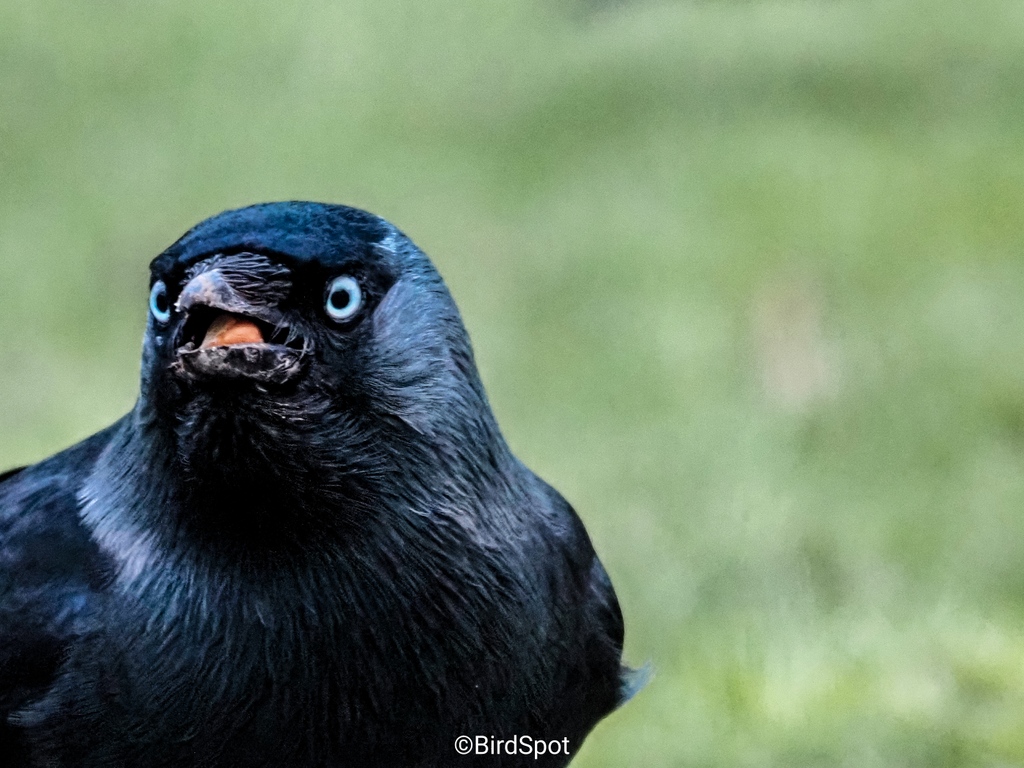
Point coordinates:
[[306, 341]]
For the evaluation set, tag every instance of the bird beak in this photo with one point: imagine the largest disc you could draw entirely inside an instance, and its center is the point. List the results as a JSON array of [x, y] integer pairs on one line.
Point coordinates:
[[211, 289], [226, 335]]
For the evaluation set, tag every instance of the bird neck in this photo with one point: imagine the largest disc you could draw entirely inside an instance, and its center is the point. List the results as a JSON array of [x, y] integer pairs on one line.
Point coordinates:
[[257, 501]]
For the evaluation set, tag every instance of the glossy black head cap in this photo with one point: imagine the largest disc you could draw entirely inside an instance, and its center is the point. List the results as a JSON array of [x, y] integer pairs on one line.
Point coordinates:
[[293, 231]]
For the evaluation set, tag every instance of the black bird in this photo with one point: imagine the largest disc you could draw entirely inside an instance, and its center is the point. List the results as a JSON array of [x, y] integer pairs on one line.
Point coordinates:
[[308, 543]]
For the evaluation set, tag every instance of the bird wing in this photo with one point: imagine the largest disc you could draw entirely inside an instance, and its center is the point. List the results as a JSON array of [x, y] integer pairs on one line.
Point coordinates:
[[588, 594], [602, 616], [50, 573]]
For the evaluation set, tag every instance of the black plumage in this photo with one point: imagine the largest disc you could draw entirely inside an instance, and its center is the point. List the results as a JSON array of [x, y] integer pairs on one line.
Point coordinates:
[[308, 543]]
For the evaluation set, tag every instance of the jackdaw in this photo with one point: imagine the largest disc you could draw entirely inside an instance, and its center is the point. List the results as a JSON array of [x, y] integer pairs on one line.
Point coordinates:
[[308, 543]]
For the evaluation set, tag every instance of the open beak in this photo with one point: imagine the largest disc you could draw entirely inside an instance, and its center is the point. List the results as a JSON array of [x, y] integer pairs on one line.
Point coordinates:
[[226, 335]]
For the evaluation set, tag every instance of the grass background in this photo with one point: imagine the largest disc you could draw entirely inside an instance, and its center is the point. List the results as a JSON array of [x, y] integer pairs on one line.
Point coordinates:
[[744, 281]]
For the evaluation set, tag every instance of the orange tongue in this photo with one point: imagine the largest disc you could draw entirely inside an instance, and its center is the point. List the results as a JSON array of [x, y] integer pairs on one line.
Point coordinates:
[[229, 329]]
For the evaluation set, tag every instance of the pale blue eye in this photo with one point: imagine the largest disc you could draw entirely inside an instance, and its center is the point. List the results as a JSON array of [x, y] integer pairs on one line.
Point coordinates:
[[159, 303], [344, 297]]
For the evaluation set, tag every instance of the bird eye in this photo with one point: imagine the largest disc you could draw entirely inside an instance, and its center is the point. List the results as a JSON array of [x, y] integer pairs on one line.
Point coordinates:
[[159, 304], [344, 297]]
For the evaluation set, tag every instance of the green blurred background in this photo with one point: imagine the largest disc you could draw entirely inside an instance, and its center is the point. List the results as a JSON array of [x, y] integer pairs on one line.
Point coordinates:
[[744, 281]]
